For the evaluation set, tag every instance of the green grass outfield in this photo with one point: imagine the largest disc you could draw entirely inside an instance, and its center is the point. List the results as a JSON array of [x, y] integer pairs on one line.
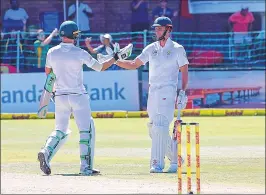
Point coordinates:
[[232, 149]]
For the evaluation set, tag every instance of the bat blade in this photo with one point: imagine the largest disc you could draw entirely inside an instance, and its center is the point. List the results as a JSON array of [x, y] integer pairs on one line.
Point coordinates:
[[46, 95], [177, 122], [44, 102]]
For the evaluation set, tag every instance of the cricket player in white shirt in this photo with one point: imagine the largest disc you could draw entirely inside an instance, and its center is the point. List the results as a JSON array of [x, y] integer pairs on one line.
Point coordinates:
[[66, 62], [166, 58]]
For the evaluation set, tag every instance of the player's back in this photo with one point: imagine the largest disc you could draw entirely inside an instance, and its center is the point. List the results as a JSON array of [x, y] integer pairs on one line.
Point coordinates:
[[66, 61]]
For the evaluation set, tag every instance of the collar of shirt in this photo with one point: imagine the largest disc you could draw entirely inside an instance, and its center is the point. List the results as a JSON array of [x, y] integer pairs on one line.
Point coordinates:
[[69, 44], [168, 43]]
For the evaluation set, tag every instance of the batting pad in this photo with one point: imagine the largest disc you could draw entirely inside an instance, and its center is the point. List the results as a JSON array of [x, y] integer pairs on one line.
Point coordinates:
[[173, 151], [87, 144], [149, 125], [55, 141], [160, 135]]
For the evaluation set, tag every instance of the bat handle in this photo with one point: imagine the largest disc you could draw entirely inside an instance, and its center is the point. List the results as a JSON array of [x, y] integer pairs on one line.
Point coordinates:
[[175, 126], [178, 117], [178, 120]]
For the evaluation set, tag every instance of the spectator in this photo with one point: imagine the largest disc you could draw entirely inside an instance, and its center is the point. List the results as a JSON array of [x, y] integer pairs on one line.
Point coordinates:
[[41, 46], [84, 13], [107, 48], [240, 24], [140, 15], [163, 10], [28, 47], [104, 49], [16, 14]]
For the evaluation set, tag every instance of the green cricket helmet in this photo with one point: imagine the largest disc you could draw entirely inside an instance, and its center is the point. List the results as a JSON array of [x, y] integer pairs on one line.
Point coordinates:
[[162, 21], [69, 29]]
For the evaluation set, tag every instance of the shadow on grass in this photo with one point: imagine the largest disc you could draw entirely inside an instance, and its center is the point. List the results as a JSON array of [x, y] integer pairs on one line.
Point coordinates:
[[148, 173], [107, 174]]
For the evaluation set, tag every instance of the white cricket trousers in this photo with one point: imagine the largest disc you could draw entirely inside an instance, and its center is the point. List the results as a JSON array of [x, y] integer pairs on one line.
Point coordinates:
[[79, 105], [161, 107], [161, 100]]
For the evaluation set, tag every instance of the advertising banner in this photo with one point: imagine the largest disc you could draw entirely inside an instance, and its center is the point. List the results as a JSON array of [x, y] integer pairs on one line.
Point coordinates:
[[206, 89], [109, 90]]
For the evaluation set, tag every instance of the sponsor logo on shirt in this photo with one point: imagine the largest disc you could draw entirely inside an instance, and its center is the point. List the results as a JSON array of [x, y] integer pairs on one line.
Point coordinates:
[[154, 53]]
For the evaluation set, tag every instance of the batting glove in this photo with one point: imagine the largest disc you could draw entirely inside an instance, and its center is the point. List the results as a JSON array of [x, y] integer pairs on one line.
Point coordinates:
[[182, 99], [124, 53]]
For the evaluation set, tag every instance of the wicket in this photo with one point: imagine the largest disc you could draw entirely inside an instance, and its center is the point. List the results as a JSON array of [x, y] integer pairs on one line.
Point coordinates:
[[188, 148]]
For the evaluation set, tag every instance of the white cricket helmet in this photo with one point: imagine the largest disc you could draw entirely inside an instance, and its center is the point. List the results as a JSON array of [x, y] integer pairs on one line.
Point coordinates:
[[105, 36]]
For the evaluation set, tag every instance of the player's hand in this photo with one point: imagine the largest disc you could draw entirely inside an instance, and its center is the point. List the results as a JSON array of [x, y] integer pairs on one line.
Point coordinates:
[[88, 41], [182, 99], [55, 32], [124, 53]]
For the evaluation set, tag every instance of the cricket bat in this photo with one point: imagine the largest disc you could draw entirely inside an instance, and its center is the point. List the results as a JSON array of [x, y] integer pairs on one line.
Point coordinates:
[[46, 95], [177, 121], [174, 136]]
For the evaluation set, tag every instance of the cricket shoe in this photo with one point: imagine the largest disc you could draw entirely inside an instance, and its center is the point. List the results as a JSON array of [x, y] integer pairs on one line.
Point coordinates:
[[156, 169], [173, 167], [89, 172], [44, 164]]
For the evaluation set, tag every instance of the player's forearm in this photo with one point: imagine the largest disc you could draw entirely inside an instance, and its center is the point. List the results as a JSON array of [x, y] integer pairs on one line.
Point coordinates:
[[184, 80], [127, 64], [108, 63], [184, 72], [47, 40], [90, 48]]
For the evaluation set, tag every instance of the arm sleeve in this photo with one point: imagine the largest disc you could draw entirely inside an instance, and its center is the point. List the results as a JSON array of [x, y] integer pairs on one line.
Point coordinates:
[[251, 18], [25, 15], [71, 10], [91, 62], [181, 57], [144, 56], [232, 18], [6, 15], [48, 59]]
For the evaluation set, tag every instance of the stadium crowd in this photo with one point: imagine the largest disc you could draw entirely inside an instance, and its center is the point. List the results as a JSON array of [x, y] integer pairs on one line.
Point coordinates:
[[29, 47]]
